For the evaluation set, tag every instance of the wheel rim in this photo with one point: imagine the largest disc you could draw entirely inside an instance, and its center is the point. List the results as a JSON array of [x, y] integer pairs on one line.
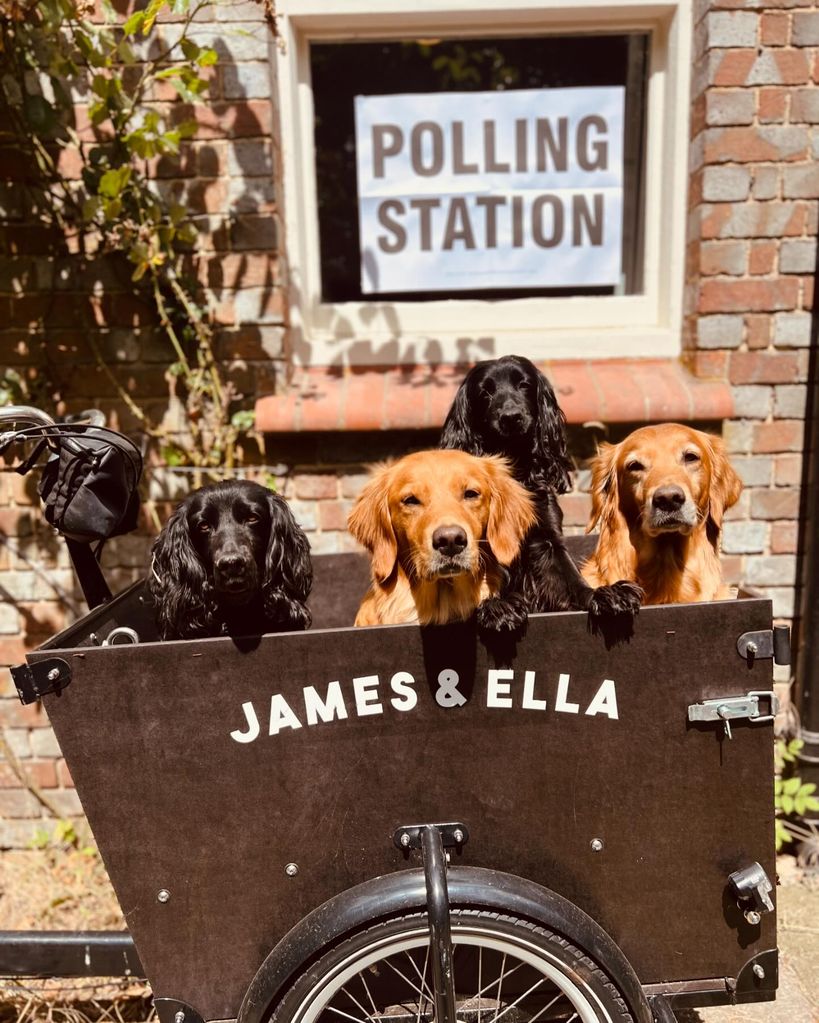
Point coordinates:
[[499, 978]]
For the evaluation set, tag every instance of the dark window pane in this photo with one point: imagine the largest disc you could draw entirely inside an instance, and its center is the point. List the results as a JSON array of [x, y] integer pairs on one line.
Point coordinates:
[[341, 71]]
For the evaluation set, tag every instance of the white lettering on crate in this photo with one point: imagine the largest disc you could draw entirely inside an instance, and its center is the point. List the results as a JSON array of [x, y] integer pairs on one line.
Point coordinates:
[[505, 689]]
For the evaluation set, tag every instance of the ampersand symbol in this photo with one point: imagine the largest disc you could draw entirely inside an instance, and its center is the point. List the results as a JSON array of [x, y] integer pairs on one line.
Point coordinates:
[[448, 694]]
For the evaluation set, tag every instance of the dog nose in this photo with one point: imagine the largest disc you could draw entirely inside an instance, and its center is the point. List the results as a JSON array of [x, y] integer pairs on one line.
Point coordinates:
[[668, 499], [228, 563], [511, 420], [449, 540]]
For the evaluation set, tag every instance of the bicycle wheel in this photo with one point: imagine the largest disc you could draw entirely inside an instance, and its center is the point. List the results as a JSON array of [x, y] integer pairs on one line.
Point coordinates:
[[505, 969]]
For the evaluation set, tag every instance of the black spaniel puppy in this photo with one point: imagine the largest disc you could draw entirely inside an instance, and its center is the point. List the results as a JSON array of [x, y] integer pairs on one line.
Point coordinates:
[[231, 560], [507, 407]]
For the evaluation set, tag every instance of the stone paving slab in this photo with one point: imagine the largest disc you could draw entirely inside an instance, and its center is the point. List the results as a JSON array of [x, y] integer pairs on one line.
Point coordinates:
[[797, 999]]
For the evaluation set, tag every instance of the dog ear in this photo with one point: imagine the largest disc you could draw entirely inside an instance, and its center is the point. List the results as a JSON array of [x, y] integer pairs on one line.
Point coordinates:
[[288, 570], [605, 487], [183, 598], [457, 430], [511, 511], [725, 487], [550, 437], [371, 525]]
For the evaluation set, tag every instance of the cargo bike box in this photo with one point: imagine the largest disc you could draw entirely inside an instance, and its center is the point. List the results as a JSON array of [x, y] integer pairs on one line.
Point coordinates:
[[396, 823]]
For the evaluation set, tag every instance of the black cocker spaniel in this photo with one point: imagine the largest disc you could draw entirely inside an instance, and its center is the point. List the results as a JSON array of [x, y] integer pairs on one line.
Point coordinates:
[[507, 407], [231, 560]]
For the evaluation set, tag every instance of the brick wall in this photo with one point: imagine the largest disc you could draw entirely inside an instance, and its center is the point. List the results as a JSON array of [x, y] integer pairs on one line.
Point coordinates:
[[751, 260], [750, 266], [56, 301]]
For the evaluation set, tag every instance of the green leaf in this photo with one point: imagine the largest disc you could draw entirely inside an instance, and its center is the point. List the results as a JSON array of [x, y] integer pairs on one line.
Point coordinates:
[[114, 181], [90, 208], [151, 12], [39, 113], [781, 834], [168, 72], [101, 86], [133, 24], [787, 804], [172, 456], [189, 48], [207, 58], [125, 52], [187, 129], [791, 786], [243, 420], [177, 212]]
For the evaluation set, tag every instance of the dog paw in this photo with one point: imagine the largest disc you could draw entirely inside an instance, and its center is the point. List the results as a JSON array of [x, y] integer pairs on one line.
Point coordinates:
[[621, 598], [503, 614]]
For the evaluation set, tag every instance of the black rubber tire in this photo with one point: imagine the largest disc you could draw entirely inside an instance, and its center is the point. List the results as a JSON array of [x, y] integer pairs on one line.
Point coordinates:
[[304, 999]]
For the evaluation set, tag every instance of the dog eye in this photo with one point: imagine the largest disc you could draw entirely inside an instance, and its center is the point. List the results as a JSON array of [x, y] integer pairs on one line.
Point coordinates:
[[470, 495], [489, 386], [691, 456], [635, 466], [410, 499], [252, 520]]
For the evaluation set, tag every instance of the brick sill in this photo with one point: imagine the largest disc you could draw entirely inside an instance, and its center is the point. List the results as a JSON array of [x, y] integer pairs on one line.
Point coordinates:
[[390, 398]]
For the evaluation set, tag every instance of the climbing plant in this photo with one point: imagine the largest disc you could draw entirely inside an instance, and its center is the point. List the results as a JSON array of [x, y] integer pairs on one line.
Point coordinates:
[[53, 51]]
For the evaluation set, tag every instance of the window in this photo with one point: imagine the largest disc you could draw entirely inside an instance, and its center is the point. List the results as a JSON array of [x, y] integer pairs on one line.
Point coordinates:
[[338, 50]]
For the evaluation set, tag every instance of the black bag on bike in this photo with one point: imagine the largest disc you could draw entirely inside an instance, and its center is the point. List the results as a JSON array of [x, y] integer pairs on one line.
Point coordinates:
[[88, 487]]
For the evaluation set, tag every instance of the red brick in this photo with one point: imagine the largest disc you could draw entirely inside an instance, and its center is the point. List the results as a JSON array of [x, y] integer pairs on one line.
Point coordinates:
[[793, 66], [711, 364], [762, 368], [752, 296], [576, 509], [775, 504], [317, 486], [734, 67], [332, 515], [783, 435], [788, 470], [619, 392], [808, 286], [576, 390], [43, 773], [364, 400], [784, 537], [763, 257], [405, 400], [12, 650], [723, 257], [758, 330], [772, 102], [64, 775], [774, 27], [749, 145]]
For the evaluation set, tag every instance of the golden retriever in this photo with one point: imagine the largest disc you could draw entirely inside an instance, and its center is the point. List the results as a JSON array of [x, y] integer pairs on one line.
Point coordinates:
[[438, 524], [659, 498]]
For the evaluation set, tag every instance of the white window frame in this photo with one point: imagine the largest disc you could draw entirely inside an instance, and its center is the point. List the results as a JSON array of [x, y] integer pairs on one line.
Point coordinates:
[[386, 333]]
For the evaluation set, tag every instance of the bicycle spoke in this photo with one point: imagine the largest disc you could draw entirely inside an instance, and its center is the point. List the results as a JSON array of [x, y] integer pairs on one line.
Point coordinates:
[[404, 977], [353, 998], [546, 1008], [521, 997], [346, 1015], [423, 985], [372, 1003], [421, 976], [500, 986]]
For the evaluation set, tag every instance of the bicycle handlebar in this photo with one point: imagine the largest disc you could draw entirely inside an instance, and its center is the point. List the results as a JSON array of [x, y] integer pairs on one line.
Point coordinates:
[[26, 415]]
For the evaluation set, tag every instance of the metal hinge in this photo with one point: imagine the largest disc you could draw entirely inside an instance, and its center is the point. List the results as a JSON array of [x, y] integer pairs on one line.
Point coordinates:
[[35, 680], [735, 708], [765, 643]]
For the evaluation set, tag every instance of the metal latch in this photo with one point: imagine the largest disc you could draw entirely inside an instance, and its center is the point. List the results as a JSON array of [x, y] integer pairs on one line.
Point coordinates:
[[766, 643], [735, 708], [752, 888], [35, 680]]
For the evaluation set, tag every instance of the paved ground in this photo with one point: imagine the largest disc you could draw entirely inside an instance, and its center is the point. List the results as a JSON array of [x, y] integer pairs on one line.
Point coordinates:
[[797, 1000]]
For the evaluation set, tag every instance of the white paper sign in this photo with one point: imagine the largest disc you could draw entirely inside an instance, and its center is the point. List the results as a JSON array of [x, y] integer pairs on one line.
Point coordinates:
[[487, 190]]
